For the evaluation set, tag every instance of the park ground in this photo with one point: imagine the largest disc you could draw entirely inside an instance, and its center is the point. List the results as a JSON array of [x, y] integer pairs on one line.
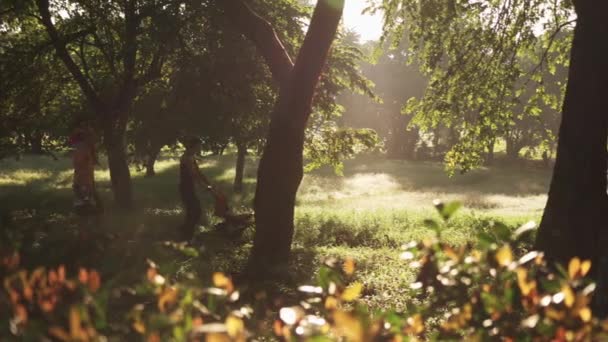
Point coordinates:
[[367, 214]]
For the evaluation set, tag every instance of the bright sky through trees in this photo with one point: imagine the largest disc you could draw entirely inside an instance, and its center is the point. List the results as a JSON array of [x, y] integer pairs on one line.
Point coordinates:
[[369, 27]]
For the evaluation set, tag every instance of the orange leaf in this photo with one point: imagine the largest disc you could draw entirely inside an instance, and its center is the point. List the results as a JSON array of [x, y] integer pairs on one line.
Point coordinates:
[[349, 266], [166, 298], [153, 338], [94, 281], [61, 273], [83, 275], [21, 313], [222, 281], [59, 333], [52, 277]]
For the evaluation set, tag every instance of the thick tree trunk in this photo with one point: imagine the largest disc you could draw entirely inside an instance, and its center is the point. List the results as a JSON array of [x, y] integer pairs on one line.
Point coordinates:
[[240, 167], [574, 222], [280, 171], [120, 175]]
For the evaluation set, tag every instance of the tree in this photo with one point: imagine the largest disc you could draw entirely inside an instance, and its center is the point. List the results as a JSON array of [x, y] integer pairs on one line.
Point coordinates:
[[281, 166], [35, 95], [472, 53], [123, 45], [574, 221]]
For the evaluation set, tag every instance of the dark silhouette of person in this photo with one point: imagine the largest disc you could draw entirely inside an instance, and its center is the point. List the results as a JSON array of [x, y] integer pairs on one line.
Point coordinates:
[[189, 177]]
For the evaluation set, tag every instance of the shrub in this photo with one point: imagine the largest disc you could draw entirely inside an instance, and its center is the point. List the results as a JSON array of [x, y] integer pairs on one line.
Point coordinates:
[[488, 290]]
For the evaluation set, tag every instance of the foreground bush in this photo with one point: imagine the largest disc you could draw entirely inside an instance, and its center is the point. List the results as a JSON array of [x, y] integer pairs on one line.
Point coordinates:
[[489, 290]]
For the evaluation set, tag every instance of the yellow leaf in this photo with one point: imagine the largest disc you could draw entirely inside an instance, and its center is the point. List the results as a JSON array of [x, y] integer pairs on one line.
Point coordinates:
[[331, 303], [76, 331], [585, 267], [139, 327], [348, 326], [573, 267], [415, 325], [525, 286], [166, 298], [504, 256], [352, 292], [220, 280], [349, 266], [450, 253], [59, 333], [568, 296], [585, 314], [235, 326], [217, 337]]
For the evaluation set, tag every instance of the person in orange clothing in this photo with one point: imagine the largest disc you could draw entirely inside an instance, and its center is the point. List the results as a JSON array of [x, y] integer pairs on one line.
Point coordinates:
[[87, 201]]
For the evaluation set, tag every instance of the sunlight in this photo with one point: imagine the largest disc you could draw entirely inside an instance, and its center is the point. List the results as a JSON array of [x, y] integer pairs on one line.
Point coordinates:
[[369, 27]]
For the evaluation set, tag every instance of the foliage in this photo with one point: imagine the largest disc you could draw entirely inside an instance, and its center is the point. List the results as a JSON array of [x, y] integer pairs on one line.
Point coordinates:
[[477, 58], [44, 302], [331, 145], [477, 291]]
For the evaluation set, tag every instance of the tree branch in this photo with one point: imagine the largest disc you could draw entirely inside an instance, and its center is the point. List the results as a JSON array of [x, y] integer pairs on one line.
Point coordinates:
[[545, 54], [263, 35], [64, 55]]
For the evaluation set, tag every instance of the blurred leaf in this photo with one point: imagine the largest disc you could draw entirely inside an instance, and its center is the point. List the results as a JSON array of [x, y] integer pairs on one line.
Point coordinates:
[[352, 292], [235, 326], [349, 266], [573, 267], [504, 256], [447, 210]]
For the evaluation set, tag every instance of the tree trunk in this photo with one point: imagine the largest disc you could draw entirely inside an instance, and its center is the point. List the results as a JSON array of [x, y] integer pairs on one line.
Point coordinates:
[[36, 143], [151, 157], [490, 154], [240, 167], [513, 148], [120, 176], [574, 221], [280, 171]]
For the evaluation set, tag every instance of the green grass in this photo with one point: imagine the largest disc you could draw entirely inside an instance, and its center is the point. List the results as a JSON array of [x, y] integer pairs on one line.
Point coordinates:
[[367, 214]]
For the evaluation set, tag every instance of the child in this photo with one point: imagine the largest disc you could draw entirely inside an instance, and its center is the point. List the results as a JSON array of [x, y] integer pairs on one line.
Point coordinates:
[[189, 177], [87, 200]]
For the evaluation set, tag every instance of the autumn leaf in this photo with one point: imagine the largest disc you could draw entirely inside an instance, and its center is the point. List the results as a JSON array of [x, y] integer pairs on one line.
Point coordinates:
[[166, 298], [568, 296], [235, 326], [573, 267], [348, 326], [349, 266], [352, 292], [585, 267], [220, 280], [504, 256], [59, 333], [94, 281], [415, 325], [331, 303], [585, 314]]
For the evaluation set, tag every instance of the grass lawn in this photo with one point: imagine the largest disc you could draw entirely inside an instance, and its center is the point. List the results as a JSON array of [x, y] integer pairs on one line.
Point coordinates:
[[367, 214]]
